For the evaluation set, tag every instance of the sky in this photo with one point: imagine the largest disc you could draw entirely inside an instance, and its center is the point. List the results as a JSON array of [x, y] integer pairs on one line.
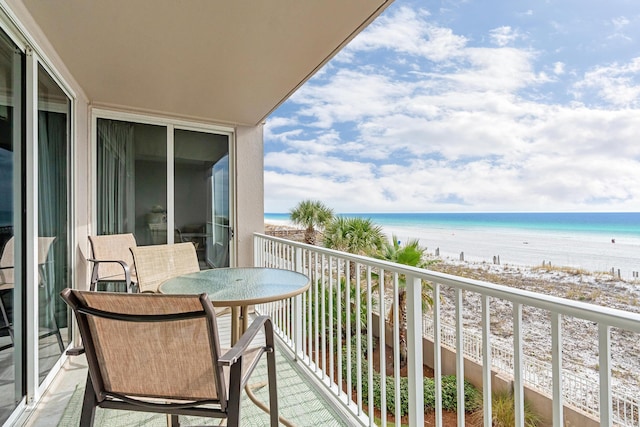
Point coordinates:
[[469, 106]]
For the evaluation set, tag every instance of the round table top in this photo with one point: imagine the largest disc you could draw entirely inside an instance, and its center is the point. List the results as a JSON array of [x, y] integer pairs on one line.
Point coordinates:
[[239, 286]]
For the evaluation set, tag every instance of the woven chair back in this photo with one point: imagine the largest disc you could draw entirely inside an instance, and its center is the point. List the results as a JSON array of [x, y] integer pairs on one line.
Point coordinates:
[[44, 245], [113, 247], [169, 359], [7, 260], [158, 263]]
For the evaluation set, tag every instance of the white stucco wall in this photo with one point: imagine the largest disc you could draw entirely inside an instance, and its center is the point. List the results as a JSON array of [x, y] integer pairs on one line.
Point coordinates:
[[249, 191]]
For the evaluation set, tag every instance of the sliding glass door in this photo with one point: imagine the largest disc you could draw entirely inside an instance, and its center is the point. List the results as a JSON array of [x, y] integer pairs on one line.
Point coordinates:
[[201, 196], [164, 184]]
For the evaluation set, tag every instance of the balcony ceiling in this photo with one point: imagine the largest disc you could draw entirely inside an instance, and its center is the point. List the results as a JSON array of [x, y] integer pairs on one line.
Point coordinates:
[[227, 61]]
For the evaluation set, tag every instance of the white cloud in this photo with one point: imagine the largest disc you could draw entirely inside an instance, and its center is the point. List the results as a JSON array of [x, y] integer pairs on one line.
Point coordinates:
[[620, 22], [407, 32], [502, 69], [318, 165], [455, 131], [348, 96], [504, 36], [282, 136], [620, 28], [521, 155], [275, 122], [616, 84]]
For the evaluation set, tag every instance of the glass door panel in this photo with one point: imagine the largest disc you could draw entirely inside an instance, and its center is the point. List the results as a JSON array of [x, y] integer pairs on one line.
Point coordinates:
[[132, 180], [11, 295], [218, 245], [201, 194], [53, 220]]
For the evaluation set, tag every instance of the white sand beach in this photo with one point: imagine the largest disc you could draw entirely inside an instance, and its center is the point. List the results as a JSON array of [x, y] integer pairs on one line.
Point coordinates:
[[590, 253]]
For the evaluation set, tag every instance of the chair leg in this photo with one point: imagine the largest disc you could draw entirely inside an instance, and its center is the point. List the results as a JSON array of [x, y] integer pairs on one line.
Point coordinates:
[[89, 405], [173, 420], [273, 390], [271, 374], [5, 318], [57, 333], [233, 403]]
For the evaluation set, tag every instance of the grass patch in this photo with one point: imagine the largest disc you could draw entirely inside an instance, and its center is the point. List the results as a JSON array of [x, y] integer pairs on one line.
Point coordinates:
[[503, 412]]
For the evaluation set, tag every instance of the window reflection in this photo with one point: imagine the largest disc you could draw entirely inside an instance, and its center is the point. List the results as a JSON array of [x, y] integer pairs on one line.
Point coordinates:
[[11, 120], [53, 218]]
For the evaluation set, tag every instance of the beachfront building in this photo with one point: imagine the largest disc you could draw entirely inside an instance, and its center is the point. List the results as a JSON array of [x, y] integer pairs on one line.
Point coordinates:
[[145, 117]]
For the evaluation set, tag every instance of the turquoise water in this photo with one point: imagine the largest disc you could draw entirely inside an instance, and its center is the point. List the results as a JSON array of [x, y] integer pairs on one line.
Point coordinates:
[[585, 240], [603, 223]]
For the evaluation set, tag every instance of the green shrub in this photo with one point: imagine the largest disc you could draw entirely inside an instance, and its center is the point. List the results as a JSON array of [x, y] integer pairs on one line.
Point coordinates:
[[473, 398], [363, 346], [404, 395]]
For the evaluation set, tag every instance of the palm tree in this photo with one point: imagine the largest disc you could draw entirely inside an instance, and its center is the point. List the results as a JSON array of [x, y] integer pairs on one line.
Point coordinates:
[[356, 235], [311, 214], [412, 254]]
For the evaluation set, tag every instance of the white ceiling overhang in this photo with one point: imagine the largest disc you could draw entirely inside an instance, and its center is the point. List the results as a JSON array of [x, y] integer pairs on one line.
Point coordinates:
[[227, 61]]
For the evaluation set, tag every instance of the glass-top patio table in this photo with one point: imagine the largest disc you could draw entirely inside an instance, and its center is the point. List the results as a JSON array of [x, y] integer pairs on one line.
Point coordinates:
[[239, 288]]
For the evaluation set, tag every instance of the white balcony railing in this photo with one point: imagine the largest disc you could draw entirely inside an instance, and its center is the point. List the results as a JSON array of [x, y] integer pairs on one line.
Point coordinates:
[[308, 324]]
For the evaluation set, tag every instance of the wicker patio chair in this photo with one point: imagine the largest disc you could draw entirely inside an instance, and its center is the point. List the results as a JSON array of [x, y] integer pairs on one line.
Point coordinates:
[[7, 284], [112, 260], [157, 263], [168, 357]]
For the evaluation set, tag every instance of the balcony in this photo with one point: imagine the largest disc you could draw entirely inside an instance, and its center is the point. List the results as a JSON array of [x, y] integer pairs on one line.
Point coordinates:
[[361, 301]]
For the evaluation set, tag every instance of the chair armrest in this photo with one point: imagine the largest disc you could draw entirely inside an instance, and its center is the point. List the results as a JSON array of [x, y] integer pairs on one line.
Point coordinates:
[[124, 265], [236, 352]]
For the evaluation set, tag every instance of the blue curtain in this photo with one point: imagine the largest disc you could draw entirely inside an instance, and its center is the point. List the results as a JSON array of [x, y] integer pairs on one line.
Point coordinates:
[[115, 156], [53, 212]]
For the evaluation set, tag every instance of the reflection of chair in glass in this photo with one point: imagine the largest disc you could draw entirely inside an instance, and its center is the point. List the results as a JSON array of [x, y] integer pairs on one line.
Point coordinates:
[[112, 260], [7, 284], [181, 369], [196, 234], [157, 263]]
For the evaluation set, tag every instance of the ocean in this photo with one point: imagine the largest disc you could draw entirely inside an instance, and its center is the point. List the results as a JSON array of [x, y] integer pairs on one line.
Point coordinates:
[[594, 241]]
